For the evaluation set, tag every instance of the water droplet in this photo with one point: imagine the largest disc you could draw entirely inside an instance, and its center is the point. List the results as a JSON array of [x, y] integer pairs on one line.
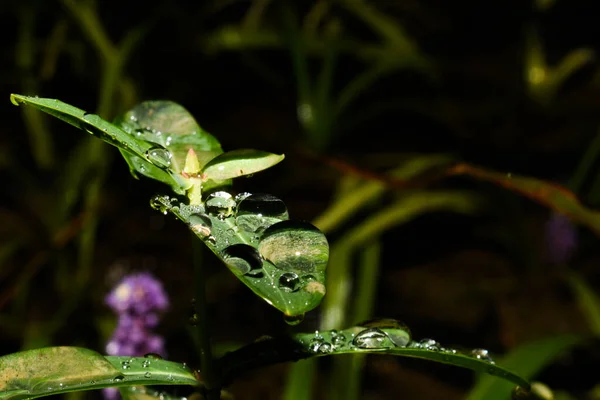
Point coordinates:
[[125, 364], [397, 331], [289, 282], [243, 258], [118, 378], [61, 385], [429, 344], [200, 224], [314, 344], [482, 354], [159, 156], [148, 374], [161, 203], [220, 204], [295, 246], [257, 212], [153, 356], [372, 338], [325, 348], [146, 364], [338, 339], [193, 319], [293, 319]]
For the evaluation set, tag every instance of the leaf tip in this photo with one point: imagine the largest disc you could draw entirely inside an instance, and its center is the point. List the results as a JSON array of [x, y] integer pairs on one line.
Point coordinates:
[[16, 99], [192, 165]]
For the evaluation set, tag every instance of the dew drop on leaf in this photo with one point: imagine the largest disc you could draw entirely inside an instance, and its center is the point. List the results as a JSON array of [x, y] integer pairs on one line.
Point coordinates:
[[148, 374], [295, 246], [429, 344], [159, 156], [200, 224], [325, 348], [482, 354], [153, 356], [243, 258], [396, 330], [118, 378], [146, 364], [257, 212], [372, 338], [289, 282], [337, 339], [220, 204]]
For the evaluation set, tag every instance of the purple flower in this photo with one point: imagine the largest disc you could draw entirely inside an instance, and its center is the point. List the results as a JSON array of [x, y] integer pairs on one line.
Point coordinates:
[[561, 238], [139, 293], [137, 299]]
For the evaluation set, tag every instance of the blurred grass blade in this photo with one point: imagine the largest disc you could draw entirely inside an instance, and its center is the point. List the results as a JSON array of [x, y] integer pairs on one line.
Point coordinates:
[[588, 301], [53, 370], [366, 192], [546, 193], [145, 393], [372, 337], [527, 360]]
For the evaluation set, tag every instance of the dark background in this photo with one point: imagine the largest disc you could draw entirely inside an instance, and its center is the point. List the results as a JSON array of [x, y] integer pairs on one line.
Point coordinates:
[[482, 280]]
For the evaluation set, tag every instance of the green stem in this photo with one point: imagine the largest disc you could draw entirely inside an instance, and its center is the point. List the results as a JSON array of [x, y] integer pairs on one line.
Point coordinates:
[[213, 392]]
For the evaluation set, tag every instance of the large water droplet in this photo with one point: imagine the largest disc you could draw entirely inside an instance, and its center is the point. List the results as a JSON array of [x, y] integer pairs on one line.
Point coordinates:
[[314, 344], [295, 246], [159, 156], [220, 204], [118, 378], [397, 331], [482, 354], [243, 258], [148, 374], [200, 224], [372, 338], [257, 212], [289, 282]]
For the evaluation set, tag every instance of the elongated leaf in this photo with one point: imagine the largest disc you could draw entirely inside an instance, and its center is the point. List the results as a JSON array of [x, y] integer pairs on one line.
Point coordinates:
[[238, 163], [588, 301], [373, 337], [527, 360], [546, 193], [280, 260], [150, 156], [144, 393], [52, 370]]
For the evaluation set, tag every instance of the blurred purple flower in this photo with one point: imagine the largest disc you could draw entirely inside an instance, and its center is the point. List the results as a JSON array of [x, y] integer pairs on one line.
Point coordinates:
[[139, 293], [561, 238], [137, 299]]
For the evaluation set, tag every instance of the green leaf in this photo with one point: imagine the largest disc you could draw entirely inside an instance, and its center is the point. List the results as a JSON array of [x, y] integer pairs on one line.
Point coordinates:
[[90, 123], [280, 260], [238, 163], [588, 301], [144, 156], [546, 193], [172, 127], [53, 370], [373, 337], [145, 393], [527, 360]]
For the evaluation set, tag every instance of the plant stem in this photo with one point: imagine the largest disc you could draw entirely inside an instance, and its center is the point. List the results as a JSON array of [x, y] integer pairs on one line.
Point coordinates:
[[202, 326]]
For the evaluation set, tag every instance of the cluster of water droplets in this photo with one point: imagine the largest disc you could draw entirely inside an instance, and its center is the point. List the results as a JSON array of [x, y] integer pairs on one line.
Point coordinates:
[[381, 334], [254, 237]]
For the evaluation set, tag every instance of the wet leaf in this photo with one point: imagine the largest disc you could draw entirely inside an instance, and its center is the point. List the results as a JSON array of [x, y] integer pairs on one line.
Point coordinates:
[[53, 370], [238, 163], [169, 126], [146, 152], [280, 260], [546, 193], [373, 337], [145, 393], [527, 360]]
